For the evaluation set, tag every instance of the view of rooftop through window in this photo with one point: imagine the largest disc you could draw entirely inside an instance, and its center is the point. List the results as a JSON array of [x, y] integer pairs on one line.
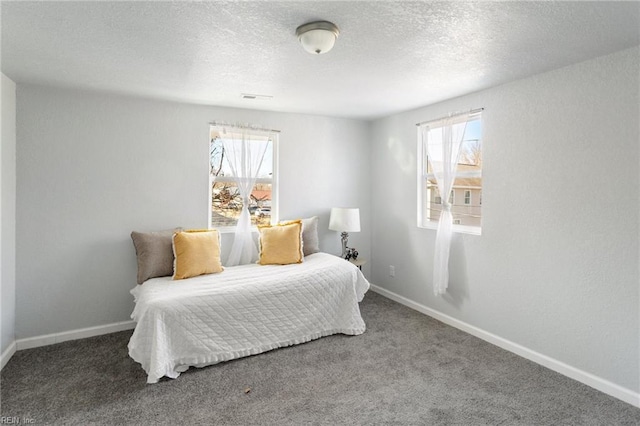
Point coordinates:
[[466, 196], [226, 201]]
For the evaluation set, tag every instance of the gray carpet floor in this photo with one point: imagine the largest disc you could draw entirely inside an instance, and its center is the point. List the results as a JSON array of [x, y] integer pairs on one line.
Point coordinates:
[[406, 369]]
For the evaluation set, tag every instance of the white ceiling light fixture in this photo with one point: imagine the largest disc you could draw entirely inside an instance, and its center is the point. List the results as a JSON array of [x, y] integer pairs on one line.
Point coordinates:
[[317, 37]]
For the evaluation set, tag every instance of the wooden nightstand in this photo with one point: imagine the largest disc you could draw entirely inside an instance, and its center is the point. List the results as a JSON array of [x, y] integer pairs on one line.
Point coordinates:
[[358, 262]]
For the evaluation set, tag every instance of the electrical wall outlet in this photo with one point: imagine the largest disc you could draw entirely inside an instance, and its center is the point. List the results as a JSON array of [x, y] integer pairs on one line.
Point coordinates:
[[392, 271]]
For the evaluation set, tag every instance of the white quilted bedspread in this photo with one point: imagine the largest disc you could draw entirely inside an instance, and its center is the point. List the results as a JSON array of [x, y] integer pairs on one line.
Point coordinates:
[[242, 311]]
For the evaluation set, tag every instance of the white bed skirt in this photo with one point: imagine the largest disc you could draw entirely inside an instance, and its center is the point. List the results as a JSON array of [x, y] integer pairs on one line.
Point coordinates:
[[244, 310]]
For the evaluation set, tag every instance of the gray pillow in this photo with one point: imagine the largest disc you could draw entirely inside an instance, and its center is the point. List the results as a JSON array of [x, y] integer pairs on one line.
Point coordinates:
[[310, 243], [154, 252]]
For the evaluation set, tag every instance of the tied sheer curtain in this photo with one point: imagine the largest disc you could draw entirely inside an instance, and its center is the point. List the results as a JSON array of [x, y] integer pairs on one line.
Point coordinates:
[[244, 150], [443, 150]]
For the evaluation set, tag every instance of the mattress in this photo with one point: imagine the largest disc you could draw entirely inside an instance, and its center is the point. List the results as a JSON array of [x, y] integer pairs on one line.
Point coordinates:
[[244, 310]]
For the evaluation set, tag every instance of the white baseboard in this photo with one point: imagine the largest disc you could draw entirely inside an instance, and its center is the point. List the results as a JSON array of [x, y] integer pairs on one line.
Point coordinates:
[[7, 354], [50, 339], [588, 379]]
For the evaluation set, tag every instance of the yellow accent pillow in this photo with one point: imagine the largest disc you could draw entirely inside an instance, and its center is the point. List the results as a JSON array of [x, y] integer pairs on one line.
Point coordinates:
[[281, 244], [197, 252]]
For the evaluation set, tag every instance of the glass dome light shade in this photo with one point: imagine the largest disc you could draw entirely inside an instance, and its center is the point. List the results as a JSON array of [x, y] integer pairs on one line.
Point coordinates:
[[317, 37]]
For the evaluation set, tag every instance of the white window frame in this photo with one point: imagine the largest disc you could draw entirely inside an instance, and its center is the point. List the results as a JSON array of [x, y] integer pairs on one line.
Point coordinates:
[[467, 197], [228, 179], [424, 195]]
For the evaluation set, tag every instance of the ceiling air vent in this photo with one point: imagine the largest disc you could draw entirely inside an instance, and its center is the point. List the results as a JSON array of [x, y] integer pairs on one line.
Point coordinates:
[[255, 96]]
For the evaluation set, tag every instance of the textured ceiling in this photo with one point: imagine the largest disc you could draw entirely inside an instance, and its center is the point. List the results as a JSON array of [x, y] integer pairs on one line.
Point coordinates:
[[390, 56]]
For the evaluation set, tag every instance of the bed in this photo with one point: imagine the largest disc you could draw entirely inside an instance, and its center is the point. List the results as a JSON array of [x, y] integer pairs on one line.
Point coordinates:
[[243, 311]]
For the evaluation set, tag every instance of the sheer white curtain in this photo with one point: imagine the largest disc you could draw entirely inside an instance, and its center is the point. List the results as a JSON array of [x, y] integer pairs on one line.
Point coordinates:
[[443, 140], [244, 151]]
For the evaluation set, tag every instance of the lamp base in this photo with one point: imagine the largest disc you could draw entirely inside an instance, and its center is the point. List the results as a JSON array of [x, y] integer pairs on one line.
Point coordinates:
[[345, 239]]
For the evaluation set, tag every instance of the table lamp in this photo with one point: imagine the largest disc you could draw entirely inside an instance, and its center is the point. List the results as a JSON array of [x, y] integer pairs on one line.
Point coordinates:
[[344, 220]]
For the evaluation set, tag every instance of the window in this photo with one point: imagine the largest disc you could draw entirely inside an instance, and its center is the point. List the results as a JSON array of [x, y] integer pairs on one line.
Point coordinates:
[[225, 199], [467, 212]]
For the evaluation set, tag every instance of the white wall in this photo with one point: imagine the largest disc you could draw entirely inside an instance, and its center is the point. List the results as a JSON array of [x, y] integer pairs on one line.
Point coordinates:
[[553, 271], [8, 214], [556, 267], [92, 168]]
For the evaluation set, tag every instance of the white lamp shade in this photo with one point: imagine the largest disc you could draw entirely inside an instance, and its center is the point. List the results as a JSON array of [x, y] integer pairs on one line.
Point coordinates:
[[318, 41], [344, 220]]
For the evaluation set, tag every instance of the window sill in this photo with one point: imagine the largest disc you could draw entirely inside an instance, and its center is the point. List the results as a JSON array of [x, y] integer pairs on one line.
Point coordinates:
[[230, 229], [460, 229]]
